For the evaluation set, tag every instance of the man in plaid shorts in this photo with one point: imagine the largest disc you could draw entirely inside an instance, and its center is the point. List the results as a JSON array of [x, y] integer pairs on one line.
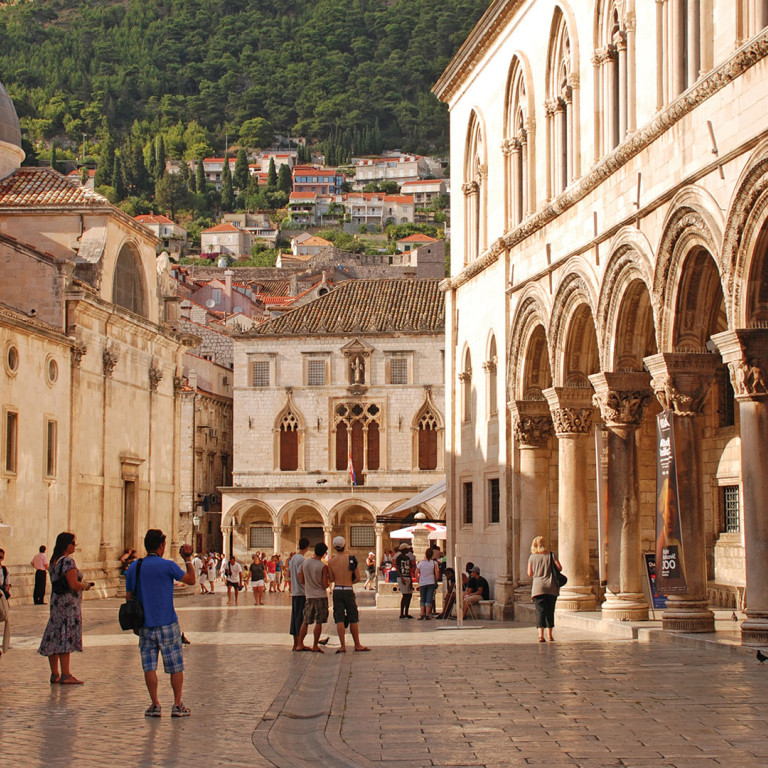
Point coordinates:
[[160, 633]]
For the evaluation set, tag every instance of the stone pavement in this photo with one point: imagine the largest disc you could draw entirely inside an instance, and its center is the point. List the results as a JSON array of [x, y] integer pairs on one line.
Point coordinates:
[[425, 696]]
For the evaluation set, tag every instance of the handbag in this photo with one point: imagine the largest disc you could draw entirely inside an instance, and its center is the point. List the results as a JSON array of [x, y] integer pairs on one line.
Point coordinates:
[[560, 578], [131, 614]]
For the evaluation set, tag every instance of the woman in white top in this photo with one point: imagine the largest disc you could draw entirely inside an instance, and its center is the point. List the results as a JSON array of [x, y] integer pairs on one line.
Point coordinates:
[[429, 575]]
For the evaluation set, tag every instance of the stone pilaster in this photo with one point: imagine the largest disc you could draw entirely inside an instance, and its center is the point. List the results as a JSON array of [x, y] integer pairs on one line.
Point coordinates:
[[746, 353], [571, 409], [622, 399], [533, 430], [681, 382]]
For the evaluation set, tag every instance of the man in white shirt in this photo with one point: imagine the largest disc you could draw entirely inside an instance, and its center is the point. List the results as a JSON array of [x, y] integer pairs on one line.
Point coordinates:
[[40, 564], [197, 564], [233, 576]]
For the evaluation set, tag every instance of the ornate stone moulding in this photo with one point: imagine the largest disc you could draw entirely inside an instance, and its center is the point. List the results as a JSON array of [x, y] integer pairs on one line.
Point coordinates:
[[681, 381], [746, 354], [571, 409], [531, 422], [714, 81], [621, 397]]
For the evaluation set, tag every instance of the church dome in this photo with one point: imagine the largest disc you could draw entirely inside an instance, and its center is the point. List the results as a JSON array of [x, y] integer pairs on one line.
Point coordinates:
[[11, 154]]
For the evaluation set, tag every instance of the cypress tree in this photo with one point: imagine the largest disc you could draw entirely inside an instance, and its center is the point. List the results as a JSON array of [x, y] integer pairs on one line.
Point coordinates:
[[284, 180], [200, 176], [227, 192], [240, 177], [117, 179], [160, 169], [53, 156], [103, 175], [151, 164], [271, 176]]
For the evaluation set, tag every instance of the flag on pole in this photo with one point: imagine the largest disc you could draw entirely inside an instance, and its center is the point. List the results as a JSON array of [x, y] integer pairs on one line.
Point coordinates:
[[351, 470]]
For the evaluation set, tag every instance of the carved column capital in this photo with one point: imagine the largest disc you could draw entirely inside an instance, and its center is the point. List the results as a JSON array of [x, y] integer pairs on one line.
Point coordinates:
[[681, 381], [109, 360], [745, 351], [621, 397], [531, 423], [470, 188], [178, 384], [78, 350], [155, 377], [571, 409]]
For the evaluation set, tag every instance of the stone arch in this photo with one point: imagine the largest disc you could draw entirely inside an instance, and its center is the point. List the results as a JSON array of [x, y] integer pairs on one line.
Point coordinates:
[[475, 187], [625, 312], [689, 227], [303, 507], [337, 511], [573, 337], [128, 284], [532, 312], [241, 511], [743, 261]]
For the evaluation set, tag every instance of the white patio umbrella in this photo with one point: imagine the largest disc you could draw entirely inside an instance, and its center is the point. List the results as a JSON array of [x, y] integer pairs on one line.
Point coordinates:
[[436, 531]]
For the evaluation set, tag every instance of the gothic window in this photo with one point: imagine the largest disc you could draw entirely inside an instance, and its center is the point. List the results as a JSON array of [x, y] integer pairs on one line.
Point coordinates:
[[427, 437], [492, 378], [474, 189], [684, 48], [613, 72], [562, 115], [128, 285], [289, 443], [357, 437], [518, 148]]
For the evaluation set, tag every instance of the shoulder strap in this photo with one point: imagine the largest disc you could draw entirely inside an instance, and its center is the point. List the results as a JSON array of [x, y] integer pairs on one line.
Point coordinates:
[[138, 571]]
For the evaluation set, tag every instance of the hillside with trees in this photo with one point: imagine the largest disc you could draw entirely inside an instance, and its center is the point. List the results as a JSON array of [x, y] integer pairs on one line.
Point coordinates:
[[352, 76]]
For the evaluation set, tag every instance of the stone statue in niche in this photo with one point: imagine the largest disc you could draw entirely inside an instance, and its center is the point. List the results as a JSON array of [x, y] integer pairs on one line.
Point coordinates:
[[357, 370]]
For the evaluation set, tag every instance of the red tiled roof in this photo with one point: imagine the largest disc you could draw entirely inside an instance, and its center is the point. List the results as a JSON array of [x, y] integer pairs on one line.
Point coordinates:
[[418, 237], [221, 228], [152, 218], [398, 198], [46, 188]]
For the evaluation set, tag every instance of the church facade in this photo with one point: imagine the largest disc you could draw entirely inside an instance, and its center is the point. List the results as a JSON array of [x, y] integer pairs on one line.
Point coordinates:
[[610, 210]]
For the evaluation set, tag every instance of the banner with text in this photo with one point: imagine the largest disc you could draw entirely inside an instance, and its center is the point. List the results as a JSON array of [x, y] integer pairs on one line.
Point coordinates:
[[670, 560], [601, 455]]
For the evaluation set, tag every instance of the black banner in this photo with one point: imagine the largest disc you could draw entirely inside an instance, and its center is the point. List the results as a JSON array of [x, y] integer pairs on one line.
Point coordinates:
[[670, 560]]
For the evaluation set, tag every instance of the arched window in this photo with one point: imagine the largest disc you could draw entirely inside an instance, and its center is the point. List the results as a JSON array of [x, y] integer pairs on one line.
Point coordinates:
[[614, 74], [683, 28], [474, 189], [128, 284], [289, 443], [427, 429], [562, 111], [518, 148], [466, 387]]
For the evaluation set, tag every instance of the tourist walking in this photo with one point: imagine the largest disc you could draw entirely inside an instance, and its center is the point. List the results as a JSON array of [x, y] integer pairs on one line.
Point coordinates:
[[40, 564], [370, 571], [64, 631], [256, 571], [429, 575], [212, 569], [544, 587], [153, 585], [199, 566], [343, 572], [5, 578], [233, 577], [298, 596], [315, 577], [403, 566]]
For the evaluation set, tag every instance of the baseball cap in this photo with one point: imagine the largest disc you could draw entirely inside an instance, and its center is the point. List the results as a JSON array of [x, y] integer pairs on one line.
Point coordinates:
[[403, 546], [338, 542], [476, 570]]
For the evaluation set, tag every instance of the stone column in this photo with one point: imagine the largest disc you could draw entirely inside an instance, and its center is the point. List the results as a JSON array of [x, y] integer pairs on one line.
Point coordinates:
[[328, 536], [681, 382], [532, 427], [746, 352], [276, 531], [571, 409], [622, 398], [378, 530]]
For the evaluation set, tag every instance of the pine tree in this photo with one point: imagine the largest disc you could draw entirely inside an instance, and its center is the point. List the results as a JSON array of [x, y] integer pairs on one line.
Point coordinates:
[[200, 177], [160, 170], [117, 179], [227, 192], [103, 177], [240, 177], [271, 176]]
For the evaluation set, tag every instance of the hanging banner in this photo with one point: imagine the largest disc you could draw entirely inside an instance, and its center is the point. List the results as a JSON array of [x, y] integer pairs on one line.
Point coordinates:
[[601, 455], [670, 560], [657, 599]]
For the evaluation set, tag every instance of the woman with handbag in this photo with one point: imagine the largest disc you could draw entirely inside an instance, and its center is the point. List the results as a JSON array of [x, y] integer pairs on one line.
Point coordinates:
[[64, 632], [544, 569]]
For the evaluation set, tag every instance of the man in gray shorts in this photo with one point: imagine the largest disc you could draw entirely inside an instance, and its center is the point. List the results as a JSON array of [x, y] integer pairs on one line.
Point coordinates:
[[315, 578], [404, 580], [343, 573]]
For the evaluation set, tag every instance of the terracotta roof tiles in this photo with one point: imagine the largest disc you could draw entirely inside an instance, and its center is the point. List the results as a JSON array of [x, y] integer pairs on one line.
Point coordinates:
[[366, 306], [46, 188]]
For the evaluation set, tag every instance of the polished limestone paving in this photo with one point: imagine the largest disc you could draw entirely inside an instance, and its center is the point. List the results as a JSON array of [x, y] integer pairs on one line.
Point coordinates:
[[488, 695]]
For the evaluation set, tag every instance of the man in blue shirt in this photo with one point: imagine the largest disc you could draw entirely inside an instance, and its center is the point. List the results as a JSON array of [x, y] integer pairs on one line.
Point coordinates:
[[160, 633]]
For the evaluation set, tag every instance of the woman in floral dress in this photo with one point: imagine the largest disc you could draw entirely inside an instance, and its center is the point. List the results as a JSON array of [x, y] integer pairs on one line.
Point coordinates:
[[64, 632]]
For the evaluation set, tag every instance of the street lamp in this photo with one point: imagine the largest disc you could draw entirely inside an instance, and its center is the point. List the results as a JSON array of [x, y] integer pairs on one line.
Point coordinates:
[[195, 524]]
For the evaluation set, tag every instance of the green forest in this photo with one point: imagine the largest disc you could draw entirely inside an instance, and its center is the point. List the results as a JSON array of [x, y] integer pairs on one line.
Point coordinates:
[[349, 75]]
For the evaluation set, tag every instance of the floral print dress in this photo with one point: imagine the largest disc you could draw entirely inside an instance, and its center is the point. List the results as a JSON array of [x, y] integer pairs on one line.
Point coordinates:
[[64, 632]]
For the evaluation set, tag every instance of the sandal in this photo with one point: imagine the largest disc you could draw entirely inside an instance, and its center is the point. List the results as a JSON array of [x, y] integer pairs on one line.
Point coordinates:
[[55, 679], [69, 680]]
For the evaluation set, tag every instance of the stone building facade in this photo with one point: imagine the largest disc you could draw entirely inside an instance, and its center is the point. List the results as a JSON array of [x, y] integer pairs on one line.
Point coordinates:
[[609, 213], [92, 373], [350, 382]]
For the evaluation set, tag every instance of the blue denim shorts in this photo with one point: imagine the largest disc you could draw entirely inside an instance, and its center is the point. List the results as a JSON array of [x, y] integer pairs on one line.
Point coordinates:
[[165, 640], [427, 594]]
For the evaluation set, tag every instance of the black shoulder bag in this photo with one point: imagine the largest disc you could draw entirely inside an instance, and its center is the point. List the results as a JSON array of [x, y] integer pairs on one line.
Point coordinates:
[[560, 578], [131, 615]]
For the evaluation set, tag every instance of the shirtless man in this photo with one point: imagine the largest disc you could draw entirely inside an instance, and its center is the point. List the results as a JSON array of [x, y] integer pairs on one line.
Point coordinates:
[[344, 603]]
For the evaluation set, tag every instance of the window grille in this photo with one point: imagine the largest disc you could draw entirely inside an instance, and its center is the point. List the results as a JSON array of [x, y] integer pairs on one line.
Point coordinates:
[[731, 517], [261, 373], [316, 373], [493, 494], [260, 537], [362, 536], [398, 370], [11, 440], [467, 503]]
